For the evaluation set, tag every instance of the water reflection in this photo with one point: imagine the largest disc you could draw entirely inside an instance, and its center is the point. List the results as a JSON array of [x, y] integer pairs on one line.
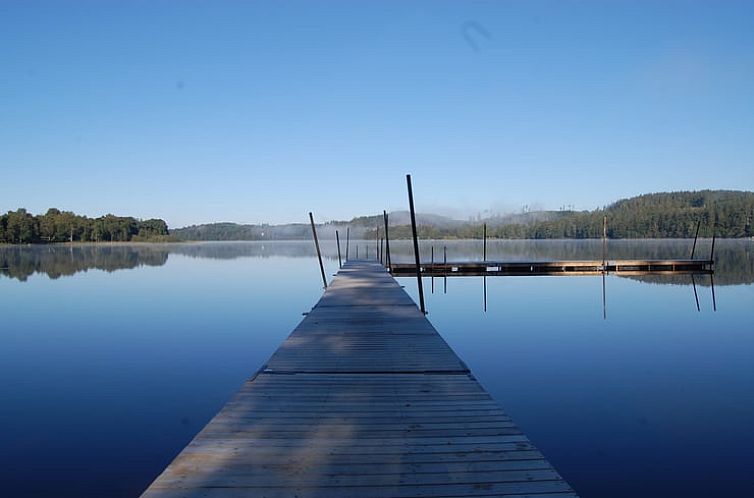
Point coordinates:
[[734, 263], [140, 360], [55, 261]]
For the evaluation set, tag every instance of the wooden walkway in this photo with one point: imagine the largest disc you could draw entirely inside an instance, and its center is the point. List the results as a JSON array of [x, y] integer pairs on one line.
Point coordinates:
[[364, 399]]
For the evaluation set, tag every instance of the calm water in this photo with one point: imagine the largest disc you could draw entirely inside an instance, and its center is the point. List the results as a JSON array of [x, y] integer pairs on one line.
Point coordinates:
[[113, 357]]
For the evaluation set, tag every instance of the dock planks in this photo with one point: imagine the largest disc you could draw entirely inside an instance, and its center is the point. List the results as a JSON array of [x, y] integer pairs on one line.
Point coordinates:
[[364, 399]]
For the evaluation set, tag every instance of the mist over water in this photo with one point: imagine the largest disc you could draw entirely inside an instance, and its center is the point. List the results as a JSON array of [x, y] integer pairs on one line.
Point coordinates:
[[114, 356]]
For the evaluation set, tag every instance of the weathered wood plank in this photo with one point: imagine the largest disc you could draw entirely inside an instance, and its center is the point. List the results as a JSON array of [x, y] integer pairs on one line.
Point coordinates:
[[363, 399]]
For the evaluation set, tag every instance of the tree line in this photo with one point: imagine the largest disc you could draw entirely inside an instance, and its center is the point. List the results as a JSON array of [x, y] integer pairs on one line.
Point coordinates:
[[22, 227], [665, 215]]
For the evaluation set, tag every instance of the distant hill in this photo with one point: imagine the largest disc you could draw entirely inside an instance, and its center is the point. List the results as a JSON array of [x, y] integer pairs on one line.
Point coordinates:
[[657, 215]]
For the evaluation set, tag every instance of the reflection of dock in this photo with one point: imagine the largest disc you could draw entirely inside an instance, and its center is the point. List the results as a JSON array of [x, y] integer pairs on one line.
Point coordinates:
[[509, 268], [364, 399]]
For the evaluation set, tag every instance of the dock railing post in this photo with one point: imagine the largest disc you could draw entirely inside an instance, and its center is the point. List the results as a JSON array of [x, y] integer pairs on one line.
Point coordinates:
[[337, 240], [416, 244], [319, 253], [387, 243]]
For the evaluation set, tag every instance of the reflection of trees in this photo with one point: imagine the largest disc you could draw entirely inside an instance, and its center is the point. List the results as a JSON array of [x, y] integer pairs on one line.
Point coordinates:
[[734, 259], [20, 262]]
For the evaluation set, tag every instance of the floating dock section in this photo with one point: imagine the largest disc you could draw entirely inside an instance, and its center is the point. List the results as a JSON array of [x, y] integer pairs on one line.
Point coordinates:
[[364, 399], [557, 268]]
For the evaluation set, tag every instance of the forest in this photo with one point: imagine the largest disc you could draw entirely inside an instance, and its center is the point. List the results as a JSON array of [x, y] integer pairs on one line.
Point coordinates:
[[725, 213], [22, 227]]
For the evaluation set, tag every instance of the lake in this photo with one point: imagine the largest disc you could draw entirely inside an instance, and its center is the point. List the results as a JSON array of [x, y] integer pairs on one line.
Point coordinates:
[[112, 357]]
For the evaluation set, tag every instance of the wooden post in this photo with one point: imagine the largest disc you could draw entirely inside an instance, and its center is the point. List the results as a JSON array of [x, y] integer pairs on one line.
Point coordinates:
[[319, 254], [696, 236], [604, 243], [417, 259], [387, 242], [337, 239], [432, 278], [445, 268], [484, 236], [382, 251], [348, 237]]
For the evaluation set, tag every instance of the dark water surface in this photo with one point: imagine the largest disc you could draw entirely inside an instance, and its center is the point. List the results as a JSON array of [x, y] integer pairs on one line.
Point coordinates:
[[112, 357]]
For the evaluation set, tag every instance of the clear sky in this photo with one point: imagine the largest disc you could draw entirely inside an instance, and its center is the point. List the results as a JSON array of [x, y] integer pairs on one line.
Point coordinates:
[[262, 111]]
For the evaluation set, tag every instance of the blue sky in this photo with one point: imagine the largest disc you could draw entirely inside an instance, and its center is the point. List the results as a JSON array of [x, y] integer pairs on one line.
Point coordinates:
[[262, 111]]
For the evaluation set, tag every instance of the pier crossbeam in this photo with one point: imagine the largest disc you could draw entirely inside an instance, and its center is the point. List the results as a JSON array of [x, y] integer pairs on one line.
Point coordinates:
[[364, 399]]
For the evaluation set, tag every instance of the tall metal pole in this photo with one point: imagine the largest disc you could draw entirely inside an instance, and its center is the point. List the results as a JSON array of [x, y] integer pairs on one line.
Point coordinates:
[[432, 278], [416, 244], [337, 239], [348, 237], [445, 268], [484, 236], [319, 254], [604, 242], [693, 248], [387, 242]]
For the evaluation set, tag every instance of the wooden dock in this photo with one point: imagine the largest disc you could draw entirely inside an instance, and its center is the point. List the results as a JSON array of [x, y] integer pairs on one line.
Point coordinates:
[[557, 268], [364, 399]]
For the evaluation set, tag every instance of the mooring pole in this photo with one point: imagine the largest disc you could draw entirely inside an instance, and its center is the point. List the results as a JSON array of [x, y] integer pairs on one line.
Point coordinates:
[[387, 242], [484, 236], [382, 251], [604, 243], [337, 239], [377, 245], [416, 244], [445, 268], [432, 278], [693, 248], [348, 237], [319, 254], [357, 251]]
